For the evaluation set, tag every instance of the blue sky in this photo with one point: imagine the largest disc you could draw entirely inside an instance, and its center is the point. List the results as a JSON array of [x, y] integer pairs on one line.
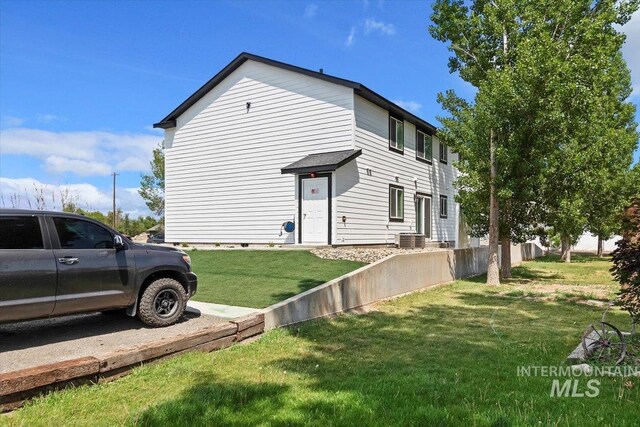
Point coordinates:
[[82, 82]]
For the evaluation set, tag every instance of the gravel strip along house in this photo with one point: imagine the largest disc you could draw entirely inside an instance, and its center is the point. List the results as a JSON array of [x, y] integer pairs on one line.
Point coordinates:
[[267, 152]]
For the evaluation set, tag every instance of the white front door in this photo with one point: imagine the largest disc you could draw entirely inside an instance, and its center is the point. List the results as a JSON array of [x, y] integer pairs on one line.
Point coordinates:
[[315, 211]]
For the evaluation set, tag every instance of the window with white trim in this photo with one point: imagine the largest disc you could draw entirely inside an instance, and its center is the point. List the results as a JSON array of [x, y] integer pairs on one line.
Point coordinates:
[[396, 203], [424, 146], [443, 206], [396, 134], [444, 155]]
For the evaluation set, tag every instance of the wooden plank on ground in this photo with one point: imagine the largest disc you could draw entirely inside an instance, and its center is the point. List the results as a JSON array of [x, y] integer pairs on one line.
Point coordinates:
[[39, 376], [251, 331], [245, 322], [210, 346], [156, 349]]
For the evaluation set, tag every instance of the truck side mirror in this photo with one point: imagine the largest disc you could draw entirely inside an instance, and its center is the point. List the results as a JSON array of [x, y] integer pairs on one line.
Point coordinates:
[[118, 243]]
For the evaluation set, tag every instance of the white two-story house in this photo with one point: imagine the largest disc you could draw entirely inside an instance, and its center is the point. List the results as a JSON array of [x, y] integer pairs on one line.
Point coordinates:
[[264, 143]]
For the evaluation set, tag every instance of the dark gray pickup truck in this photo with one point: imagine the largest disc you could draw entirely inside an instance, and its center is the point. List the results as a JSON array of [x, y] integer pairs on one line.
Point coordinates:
[[54, 264]]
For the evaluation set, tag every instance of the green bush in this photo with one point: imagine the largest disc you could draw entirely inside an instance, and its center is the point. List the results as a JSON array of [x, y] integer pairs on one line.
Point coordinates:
[[626, 261]]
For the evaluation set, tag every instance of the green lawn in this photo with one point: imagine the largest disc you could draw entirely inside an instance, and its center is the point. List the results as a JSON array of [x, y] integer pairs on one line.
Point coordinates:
[[448, 356], [261, 278]]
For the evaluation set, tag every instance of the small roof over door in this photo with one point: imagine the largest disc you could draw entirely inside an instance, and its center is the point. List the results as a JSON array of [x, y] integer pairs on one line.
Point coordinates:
[[322, 162]]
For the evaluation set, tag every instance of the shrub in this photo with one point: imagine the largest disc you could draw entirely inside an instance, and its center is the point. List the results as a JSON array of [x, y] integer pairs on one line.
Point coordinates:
[[626, 261]]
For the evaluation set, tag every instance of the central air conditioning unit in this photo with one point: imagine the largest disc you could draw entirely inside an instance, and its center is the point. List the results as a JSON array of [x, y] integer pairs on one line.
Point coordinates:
[[410, 240]]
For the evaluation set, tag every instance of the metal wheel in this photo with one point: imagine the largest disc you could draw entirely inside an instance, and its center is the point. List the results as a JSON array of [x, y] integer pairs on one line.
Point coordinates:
[[605, 344], [165, 303]]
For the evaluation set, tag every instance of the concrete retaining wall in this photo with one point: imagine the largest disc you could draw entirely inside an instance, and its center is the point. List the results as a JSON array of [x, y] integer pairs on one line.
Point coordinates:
[[389, 277]]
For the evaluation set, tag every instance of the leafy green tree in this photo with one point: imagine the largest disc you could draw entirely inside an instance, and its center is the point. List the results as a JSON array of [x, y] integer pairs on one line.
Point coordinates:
[[495, 134], [152, 185], [539, 91], [590, 123], [125, 224], [605, 205], [478, 37]]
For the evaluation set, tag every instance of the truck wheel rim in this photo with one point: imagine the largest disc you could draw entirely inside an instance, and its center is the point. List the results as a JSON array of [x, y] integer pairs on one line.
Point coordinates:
[[166, 303]]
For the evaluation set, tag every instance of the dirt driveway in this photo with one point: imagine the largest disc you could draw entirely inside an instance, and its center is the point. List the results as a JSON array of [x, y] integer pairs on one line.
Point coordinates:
[[28, 344]]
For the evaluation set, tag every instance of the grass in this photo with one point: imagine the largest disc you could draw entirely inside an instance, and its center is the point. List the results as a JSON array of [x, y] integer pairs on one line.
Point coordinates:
[[448, 356], [261, 278], [585, 280]]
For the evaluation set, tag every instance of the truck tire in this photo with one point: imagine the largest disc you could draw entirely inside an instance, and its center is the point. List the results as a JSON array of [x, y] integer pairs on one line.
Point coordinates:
[[162, 303]]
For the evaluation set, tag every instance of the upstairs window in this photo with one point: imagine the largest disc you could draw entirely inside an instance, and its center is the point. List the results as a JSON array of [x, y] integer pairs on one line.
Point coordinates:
[[443, 206], [396, 135], [396, 203], [444, 155], [424, 146]]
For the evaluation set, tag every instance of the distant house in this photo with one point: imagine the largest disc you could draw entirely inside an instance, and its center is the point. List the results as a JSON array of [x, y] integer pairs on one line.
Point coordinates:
[[264, 142], [589, 243]]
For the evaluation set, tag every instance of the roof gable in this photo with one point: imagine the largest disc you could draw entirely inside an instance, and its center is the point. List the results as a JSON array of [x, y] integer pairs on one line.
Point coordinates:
[[170, 120]]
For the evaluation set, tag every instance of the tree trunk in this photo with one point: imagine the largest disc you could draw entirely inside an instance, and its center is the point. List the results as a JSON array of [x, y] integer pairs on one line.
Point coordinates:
[[493, 269], [505, 267], [566, 248], [600, 246], [505, 240]]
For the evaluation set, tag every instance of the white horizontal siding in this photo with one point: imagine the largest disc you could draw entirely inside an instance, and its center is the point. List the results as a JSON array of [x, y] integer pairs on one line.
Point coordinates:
[[223, 180], [364, 199]]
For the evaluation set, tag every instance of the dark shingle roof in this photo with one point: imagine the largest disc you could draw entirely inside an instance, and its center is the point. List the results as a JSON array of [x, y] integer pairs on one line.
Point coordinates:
[[360, 89], [322, 162]]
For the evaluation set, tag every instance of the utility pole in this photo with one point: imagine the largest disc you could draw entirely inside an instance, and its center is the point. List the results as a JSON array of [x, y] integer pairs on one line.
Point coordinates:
[[114, 199]]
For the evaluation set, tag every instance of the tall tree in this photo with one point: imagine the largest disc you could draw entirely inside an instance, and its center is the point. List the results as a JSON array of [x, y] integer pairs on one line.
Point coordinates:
[[478, 37], [590, 123], [605, 205], [533, 65], [152, 185], [499, 155]]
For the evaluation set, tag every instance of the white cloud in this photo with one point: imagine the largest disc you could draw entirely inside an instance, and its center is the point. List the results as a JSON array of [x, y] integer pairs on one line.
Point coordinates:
[[371, 25], [151, 129], [49, 118], [60, 165], [12, 121], [351, 38], [86, 196], [631, 50], [133, 164], [310, 10], [412, 106], [92, 153]]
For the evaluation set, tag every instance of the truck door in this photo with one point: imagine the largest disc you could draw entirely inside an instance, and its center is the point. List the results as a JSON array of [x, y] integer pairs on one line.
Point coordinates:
[[27, 269], [92, 274]]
